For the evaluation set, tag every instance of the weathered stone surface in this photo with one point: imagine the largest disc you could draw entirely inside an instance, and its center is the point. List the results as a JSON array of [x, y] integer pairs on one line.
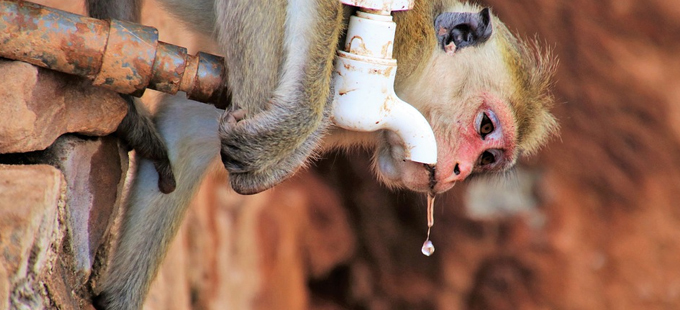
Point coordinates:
[[59, 283], [5, 287], [94, 169], [40, 105], [30, 197]]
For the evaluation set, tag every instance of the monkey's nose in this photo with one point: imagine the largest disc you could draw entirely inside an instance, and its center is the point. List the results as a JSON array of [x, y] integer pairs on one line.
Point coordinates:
[[446, 181], [460, 171]]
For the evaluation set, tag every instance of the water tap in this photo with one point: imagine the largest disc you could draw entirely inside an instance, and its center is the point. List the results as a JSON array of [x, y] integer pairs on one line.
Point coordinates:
[[364, 81]]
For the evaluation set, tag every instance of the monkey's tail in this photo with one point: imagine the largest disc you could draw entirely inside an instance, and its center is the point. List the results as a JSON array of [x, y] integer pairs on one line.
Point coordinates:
[[190, 130]]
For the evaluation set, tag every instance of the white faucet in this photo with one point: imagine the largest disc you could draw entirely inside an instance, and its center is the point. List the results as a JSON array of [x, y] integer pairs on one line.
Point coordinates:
[[364, 81]]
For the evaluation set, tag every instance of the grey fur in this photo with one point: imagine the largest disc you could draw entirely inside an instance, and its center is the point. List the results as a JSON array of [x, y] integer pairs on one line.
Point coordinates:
[[152, 218], [285, 123], [111, 9]]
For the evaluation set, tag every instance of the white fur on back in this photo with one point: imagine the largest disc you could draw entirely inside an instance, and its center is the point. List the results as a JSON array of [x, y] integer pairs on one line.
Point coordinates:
[[299, 22]]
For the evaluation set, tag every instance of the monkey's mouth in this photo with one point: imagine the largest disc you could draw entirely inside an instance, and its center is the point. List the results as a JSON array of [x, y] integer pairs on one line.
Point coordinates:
[[386, 163], [395, 171]]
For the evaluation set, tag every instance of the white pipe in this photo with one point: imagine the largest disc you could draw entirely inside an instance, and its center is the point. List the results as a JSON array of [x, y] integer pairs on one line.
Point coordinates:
[[364, 86], [381, 5]]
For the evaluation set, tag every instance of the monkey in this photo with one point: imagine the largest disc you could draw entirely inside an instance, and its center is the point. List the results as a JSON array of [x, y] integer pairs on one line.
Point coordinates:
[[485, 91]]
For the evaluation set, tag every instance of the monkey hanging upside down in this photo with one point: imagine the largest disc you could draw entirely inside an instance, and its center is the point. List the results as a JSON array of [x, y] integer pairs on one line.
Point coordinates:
[[484, 91]]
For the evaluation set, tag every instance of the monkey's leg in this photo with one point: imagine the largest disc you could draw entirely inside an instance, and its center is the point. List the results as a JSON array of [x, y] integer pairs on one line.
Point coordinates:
[[266, 148], [152, 218], [139, 132]]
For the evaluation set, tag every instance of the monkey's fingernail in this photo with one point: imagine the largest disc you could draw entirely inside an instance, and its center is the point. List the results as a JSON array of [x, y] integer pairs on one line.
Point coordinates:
[[239, 114]]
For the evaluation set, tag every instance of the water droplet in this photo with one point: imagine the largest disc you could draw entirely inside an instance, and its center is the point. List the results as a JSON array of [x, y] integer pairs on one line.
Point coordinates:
[[428, 248]]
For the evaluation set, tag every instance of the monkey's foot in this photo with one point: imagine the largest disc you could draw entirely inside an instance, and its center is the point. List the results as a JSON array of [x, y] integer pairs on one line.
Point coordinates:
[[264, 150]]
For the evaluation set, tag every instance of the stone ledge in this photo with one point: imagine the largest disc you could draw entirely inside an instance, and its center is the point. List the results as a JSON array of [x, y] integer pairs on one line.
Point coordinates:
[[40, 105]]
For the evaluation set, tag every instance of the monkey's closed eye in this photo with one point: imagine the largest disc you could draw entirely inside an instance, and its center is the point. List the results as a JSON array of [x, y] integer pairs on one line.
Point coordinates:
[[486, 126]]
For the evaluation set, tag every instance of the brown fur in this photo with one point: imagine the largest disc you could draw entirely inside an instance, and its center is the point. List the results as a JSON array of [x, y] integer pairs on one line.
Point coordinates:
[[533, 70], [530, 67]]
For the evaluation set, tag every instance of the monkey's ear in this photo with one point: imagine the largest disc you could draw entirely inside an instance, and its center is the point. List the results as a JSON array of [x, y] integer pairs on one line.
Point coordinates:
[[457, 30]]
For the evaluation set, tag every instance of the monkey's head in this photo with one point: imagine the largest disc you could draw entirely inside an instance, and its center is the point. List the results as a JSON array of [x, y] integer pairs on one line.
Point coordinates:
[[484, 92]]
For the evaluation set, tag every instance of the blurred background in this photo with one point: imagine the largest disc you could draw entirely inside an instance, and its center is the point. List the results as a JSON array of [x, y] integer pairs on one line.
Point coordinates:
[[590, 222]]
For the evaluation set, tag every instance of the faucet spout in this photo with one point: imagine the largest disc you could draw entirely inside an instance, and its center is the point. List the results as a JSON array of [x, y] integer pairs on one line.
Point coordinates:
[[407, 122], [365, 101], [364, 98]]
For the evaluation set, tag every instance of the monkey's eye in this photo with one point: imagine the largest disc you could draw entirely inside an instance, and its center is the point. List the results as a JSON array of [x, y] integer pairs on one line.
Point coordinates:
[[486, 126], [487, 158]]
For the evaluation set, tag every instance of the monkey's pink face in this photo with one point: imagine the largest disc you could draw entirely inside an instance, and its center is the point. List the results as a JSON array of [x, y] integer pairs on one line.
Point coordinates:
[[462, 89], [482, 140]]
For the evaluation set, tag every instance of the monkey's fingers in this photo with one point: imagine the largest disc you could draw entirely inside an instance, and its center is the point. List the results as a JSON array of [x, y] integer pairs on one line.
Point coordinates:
[[233, 163], [260, 157], [235, 116], [138, 131], [166, 179], [255, 182]]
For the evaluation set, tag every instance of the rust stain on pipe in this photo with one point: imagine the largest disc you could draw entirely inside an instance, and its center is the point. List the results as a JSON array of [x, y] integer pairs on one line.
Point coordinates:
[[128, 58], [169, 68], [51, 38], [208, 79], [121, 56]]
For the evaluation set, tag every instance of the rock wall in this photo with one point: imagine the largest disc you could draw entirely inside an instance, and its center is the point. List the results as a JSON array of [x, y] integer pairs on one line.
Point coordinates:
[[61, 183]]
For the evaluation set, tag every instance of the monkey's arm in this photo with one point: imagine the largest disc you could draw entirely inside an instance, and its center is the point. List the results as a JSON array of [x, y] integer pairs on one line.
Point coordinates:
[[281, 81]]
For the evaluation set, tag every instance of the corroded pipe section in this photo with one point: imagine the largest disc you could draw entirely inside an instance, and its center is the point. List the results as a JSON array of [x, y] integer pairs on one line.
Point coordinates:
[[128, 57], [117, 55]]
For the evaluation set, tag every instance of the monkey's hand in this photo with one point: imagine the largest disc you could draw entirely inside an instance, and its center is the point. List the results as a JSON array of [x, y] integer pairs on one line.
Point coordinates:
[[138, 131], [264, 150]]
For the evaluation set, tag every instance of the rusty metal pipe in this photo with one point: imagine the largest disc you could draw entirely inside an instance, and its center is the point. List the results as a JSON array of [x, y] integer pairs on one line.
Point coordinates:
[[117, 55]]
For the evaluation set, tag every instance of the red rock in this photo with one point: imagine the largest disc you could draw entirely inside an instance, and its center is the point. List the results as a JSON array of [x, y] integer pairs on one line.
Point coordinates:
[[95, 170], [29, 230], [5, 288], [41, 105]]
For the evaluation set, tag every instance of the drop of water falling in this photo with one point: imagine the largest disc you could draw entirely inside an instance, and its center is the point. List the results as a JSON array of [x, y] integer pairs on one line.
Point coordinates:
[[428, 248]]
